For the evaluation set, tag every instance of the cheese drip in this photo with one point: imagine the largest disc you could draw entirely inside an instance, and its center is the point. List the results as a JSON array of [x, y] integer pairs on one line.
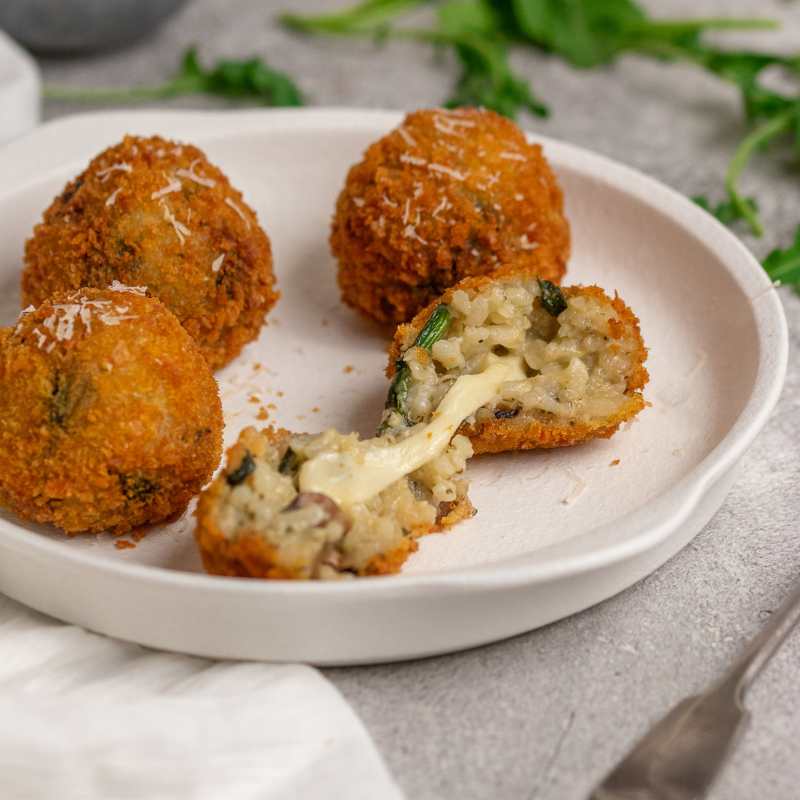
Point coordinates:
[[358, 475]]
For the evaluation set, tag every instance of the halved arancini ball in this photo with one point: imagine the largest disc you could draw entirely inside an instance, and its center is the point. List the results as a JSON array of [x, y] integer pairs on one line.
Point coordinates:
[[156, 213], [446, 195], [110, 417], [255, 520], [580, 354]]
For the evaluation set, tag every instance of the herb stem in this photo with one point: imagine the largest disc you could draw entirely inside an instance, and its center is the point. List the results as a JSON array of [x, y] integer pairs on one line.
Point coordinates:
[[678, 27], [755, 140], [107, 94]]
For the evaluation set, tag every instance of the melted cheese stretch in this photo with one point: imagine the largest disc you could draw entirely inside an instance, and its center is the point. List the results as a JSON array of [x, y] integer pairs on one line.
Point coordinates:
[[357, 475]]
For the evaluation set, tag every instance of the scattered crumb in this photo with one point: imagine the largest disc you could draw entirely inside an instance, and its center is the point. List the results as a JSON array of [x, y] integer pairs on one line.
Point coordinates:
[[263, 414], [257, 366], [614, 463], [272, 406], [254, 398], [140, 533], [279, 393], [315, 410], [301, 416], [124, 544], [348, 369]]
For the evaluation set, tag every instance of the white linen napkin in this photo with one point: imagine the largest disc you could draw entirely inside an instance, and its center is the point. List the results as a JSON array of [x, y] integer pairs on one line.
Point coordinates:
[[84, 717]]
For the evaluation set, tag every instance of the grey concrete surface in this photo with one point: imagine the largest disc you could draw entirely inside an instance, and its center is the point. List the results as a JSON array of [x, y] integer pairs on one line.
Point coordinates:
[[544, 715]]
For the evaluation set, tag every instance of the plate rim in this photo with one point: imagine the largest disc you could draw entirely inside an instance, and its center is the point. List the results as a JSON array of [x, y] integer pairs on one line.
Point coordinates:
[[682, 498]]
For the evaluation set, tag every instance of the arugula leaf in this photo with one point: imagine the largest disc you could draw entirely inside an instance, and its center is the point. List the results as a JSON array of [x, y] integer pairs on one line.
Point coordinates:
[[725, 211], [584, 32], [784, 265], [251, 79], [487, 80]]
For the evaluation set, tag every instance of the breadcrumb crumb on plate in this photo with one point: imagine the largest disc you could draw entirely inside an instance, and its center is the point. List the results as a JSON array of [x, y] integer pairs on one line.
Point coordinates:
[[526, 558]]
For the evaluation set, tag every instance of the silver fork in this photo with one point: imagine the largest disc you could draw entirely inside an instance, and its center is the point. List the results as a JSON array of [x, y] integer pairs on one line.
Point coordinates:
[[681, 755]]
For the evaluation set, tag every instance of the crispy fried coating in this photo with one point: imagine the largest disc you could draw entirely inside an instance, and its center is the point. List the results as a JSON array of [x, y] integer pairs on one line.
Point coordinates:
[[250, 555], [446, 195], [110, 417], [529, 429], [150, 212]]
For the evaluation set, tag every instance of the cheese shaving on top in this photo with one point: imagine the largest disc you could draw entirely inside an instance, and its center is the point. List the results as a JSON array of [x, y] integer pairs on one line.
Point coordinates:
[[181, 231], [173, 185], [191, 175], [59, 326], [105, 174], [117, 286], [238, 210]]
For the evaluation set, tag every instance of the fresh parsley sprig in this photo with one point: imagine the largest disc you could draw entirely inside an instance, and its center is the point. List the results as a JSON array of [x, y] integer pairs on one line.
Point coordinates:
[[239, 79]]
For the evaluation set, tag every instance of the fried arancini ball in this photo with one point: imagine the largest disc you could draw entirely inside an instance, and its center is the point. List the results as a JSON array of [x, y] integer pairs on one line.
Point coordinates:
[[581, 352], [256, 521], [110, 417], [446, 195], [150, 212]]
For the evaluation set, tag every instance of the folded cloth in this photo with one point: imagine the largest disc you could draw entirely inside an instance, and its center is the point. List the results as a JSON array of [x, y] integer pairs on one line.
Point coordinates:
[[85, 717]]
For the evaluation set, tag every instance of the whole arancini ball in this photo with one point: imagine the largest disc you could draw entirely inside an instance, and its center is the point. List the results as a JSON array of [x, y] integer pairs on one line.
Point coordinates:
[[110, 417], [446, 195], [151, 212]]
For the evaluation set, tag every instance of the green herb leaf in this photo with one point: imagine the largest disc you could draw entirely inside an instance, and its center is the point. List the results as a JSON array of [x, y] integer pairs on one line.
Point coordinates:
[[586, 33], [553, 300], [486, 80], [246, 79], [290, 462], [784, 265], [433, 330], [725, 211], [246, 466]]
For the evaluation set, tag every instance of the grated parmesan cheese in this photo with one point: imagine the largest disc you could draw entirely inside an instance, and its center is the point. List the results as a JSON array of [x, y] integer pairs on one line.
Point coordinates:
[[455, 174], [509, 156], [448, 124], [526, 244], [217, 262], [181, 231], [60, 325], [118, 286], [238, 210], [407, 137], [191, 175], [105, 174], [112, 198], [173, 185], [410, 232], [415, 160]]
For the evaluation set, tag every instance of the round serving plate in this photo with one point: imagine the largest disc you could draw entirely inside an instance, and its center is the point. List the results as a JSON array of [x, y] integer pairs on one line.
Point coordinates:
[[556, 531]]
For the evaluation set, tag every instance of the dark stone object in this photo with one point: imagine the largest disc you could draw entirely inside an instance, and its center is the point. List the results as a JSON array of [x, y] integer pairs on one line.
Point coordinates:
[[70, 27]]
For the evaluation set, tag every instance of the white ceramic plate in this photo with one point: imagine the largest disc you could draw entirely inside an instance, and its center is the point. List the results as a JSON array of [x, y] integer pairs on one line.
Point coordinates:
[[556, 531]]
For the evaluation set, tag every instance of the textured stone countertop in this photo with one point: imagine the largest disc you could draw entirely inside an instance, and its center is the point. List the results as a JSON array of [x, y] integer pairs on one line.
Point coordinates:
[[545, 714]]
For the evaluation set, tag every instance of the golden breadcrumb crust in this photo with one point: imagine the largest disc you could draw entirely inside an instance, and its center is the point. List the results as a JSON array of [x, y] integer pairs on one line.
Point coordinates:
[[115, 425], [446, 195], [250, 555], [135, 215], [537, 430]]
